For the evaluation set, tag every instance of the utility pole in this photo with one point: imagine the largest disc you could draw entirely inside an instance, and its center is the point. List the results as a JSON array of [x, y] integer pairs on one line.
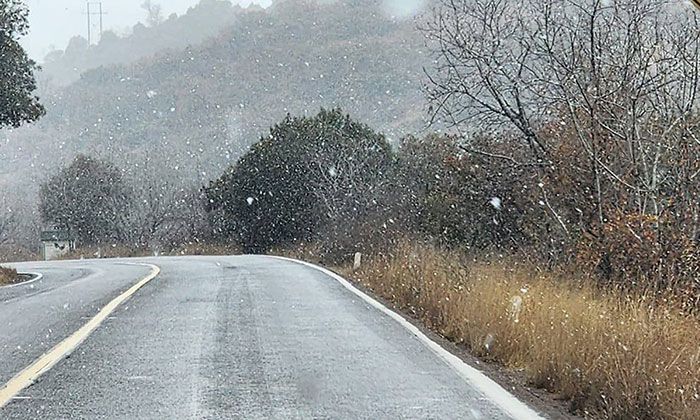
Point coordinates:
[[94, 8]]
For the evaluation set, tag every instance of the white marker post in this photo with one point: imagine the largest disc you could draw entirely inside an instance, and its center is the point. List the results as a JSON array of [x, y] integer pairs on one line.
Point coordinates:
[[357, 263]]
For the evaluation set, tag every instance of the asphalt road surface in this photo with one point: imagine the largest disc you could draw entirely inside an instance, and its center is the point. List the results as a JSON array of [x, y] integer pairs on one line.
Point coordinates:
[[244, 337]]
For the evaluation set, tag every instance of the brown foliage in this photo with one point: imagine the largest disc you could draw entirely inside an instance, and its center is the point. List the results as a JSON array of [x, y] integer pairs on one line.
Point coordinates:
[[8, 276]]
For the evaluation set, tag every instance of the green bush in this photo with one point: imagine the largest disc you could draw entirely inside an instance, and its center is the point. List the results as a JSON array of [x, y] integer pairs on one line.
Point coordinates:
[[307, 174]]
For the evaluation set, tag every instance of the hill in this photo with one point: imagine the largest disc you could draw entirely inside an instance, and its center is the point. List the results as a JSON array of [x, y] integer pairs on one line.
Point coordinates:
[[200, 22], [193, 111]]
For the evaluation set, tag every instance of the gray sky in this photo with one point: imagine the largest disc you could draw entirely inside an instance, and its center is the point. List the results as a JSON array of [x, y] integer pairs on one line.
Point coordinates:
[[54, 22]]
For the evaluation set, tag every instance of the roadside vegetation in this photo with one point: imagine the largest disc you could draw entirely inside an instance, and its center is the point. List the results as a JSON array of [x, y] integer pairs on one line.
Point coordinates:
[[8, 276], [611, 355], [18, 105], [550, 222], [122, 251]]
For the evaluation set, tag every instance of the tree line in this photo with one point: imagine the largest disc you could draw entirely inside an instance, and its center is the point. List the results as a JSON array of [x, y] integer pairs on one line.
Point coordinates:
[[324, 180]]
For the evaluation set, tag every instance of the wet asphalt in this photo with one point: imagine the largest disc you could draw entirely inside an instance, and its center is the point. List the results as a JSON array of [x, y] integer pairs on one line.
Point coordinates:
[[243, 337]]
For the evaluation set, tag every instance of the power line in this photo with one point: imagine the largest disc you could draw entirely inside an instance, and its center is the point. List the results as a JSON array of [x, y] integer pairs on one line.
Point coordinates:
[[94, 8]]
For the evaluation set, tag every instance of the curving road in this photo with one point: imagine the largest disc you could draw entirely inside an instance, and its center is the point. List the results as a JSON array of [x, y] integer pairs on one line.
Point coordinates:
[[227, 337]]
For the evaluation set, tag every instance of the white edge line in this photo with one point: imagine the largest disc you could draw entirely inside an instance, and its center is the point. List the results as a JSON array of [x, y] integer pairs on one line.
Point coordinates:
[[37, 277], [490, 388]]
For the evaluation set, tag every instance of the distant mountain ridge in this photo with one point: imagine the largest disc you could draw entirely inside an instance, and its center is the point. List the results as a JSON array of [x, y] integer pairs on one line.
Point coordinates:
[[200, 22]]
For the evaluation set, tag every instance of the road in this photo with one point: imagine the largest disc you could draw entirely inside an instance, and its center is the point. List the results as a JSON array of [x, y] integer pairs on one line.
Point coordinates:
[[227, 337]]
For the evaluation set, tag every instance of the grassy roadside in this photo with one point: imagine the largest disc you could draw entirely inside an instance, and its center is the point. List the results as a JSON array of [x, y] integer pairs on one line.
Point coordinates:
[[610, 356], [120, 251], [8, 276]]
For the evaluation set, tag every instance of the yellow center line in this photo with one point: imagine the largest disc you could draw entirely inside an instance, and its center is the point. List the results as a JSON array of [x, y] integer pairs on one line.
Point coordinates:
[[30, 374]]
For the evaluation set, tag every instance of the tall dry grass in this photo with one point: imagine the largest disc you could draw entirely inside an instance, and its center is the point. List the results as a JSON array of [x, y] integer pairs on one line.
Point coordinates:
[[610, 356], [8, 276], [12, 253], [126, 251]]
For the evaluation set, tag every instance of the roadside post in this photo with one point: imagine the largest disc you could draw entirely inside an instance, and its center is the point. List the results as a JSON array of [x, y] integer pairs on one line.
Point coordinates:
[[357, 261]]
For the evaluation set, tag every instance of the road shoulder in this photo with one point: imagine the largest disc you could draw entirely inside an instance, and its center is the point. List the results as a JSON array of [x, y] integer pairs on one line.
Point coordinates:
[[514, 382]]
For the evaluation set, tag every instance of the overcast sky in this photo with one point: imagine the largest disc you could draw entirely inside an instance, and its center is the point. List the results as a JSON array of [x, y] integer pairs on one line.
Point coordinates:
[[54, 22]]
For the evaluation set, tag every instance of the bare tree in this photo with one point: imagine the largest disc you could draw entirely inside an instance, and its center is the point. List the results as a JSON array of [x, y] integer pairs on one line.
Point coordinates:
[[154, 11], [598, 97], [88, 198], [619, 77], [7, 224], [163, 212]]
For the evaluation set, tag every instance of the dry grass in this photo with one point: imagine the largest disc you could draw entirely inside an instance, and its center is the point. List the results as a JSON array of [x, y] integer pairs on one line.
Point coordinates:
[[121, 251], [8, 276], [117, 251], [11, 253], [304, 252], [610, 356], [207, 249]]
